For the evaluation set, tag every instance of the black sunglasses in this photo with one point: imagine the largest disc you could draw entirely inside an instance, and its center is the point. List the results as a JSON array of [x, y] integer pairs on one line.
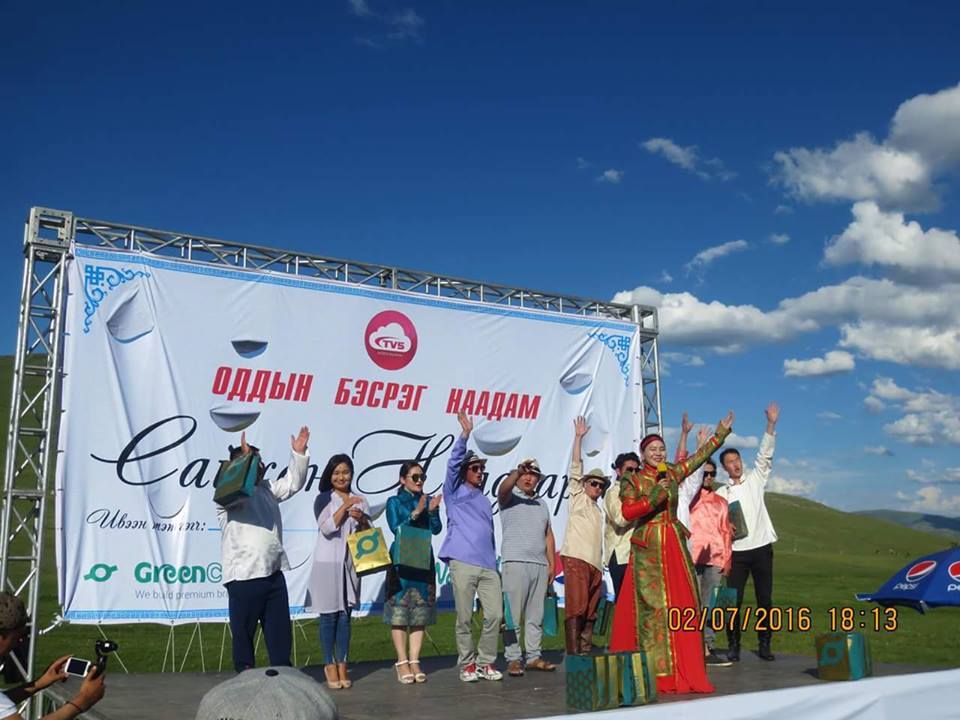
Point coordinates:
[[710, 474], [475, 468], [597, 484], [418, 477]]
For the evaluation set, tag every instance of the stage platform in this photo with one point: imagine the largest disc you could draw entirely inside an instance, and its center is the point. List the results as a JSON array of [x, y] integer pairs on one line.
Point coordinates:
[[377, 695]]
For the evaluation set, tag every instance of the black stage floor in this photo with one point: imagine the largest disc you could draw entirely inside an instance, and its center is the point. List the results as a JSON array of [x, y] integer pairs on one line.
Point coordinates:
[[377, 695]]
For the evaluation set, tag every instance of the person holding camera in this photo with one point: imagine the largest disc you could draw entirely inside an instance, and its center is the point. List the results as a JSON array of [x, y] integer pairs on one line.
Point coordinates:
[[333, 590], [13, 629], [253, 560], [527, 552]]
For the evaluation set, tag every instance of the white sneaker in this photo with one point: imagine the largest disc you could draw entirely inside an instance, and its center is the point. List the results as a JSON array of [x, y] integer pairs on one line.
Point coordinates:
[[468, 673], [489, 672]]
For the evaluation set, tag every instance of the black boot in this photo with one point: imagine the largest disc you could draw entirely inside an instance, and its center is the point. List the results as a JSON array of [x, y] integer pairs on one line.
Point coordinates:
[[764, 647], [733, 644]]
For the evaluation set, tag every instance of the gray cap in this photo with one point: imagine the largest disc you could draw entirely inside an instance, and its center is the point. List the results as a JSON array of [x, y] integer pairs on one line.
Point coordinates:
[[273, 693]]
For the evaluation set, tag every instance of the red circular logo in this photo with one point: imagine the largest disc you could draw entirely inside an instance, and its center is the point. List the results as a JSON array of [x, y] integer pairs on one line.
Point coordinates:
[[391, 340], [921, 570]]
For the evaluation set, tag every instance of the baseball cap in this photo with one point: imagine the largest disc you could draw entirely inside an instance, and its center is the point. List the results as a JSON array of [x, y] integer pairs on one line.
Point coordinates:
[[13, 613], [277, 693], [532, 464]]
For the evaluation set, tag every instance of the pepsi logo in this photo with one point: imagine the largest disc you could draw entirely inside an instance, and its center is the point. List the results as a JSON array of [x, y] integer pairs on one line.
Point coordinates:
[[953, 569], [391, 340], [920, 570]]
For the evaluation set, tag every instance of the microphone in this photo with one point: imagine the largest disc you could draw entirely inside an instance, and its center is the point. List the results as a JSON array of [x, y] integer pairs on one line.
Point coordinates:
[[661, 471]]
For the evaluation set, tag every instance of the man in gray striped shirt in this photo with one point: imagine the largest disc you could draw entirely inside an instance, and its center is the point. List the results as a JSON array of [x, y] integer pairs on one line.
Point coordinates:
[[527, 553]]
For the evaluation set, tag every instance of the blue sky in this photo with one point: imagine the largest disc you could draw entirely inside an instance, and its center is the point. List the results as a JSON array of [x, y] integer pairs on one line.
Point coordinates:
[[781, 178]]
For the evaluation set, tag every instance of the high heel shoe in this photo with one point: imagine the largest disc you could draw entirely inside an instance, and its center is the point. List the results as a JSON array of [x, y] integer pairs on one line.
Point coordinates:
[[345, 681], [418, 675], [407, 679], [329, 670]]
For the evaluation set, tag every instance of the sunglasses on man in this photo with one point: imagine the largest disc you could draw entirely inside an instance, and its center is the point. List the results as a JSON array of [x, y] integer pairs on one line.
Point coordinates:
[[597, 484], [475, 468]]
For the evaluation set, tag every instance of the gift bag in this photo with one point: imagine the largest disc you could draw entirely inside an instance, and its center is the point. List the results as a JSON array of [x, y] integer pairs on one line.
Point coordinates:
[[592, 682], [551, 621], [601, 627], [737, 520], [368, 550], [722, 597], [843, 656], [236, 479], [413, 547], [637, 684]]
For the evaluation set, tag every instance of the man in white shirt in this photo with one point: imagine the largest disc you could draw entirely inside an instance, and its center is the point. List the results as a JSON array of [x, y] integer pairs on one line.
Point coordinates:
[[753, 554], [253, 560]]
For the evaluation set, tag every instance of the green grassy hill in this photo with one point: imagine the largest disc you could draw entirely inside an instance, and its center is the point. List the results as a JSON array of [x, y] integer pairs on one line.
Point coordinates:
[[919, 521], [823, 558]]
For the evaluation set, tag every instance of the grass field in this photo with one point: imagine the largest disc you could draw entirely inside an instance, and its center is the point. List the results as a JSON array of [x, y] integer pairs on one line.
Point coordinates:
[[824, 556]]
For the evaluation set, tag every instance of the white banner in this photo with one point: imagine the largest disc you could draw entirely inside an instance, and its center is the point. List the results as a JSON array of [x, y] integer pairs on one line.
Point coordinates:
[[167, 361]]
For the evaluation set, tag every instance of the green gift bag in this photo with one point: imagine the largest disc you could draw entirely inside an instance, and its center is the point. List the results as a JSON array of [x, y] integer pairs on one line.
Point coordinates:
[[637, 685], [551, 621], [722, 597], [737, 520], [601, 627], [843, 656], [412, 547], [236, 479], [592, 682]]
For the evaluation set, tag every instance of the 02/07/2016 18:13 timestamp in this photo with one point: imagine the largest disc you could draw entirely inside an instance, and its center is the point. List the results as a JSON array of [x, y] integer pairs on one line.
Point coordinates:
[[778, 619]]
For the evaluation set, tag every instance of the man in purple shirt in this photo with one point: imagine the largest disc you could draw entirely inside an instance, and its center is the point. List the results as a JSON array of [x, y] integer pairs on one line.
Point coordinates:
[[470, 551]]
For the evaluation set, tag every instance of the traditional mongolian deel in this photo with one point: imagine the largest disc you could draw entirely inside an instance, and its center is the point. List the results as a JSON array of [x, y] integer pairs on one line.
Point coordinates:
[[843, 656], [661, 576]]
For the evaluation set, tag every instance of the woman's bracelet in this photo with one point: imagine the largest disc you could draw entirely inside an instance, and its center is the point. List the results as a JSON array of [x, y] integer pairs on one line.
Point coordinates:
[[71, 702]]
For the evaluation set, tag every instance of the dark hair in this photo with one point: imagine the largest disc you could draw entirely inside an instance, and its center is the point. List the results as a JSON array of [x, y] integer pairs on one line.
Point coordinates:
[[622, 459], [404, 469], [326, 477], [728, 451], [711, 461]]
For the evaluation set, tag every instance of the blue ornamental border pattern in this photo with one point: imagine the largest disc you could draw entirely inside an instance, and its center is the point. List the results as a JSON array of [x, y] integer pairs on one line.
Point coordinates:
[[620, 346], [98, 282]]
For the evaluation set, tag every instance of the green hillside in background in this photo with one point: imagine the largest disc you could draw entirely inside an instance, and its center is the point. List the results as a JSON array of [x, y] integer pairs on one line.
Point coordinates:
[[823, 558], [918, 521]]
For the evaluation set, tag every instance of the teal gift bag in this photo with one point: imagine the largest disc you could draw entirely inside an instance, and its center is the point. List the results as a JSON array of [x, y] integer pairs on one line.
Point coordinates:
[[236, 479], [843, 656], [412, 548], [550, 612], [601, 627], [723, 597], [638, 686], [592, 682]]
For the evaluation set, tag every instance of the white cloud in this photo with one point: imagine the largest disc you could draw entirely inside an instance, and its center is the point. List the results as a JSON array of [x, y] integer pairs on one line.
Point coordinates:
[[668, 359], [779, 238], [924, 346], [902, 248], [900, 171], [783, 210], [878, 450], [835, 361], [703, 258], [930, 417], [932, 499], [739, 442], [666, 277], [689, 159], [930, 476], [829, 415], [791, 486], [582, 163], [873, 404], [404, 24], [611, 176]]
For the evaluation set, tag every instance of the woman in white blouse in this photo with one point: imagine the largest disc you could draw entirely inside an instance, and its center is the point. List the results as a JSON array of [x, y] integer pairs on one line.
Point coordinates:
[[334, 588]]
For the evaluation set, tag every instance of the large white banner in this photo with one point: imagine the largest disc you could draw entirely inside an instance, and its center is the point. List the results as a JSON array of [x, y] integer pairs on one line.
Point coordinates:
[[167, 361]]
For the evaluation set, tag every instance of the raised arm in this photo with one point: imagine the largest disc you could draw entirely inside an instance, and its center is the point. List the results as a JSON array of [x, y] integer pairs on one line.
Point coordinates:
[[764, 462], [506, 487], [685, 427], [575, 475], [685, 468], [289, 485], [457, 453]]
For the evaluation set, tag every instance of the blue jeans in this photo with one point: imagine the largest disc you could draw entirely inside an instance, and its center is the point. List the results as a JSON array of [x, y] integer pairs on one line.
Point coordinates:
[[335, 636]]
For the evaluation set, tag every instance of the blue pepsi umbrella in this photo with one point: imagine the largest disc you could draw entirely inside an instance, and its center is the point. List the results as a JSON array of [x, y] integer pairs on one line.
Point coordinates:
[[928, 582]]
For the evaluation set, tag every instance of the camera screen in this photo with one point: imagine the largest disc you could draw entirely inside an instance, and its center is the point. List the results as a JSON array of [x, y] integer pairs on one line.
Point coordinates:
[[77, 666]]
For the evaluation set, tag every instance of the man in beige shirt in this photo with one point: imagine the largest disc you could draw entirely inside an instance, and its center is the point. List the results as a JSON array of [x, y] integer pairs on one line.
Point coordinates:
[[617, 531], [582, 550]]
